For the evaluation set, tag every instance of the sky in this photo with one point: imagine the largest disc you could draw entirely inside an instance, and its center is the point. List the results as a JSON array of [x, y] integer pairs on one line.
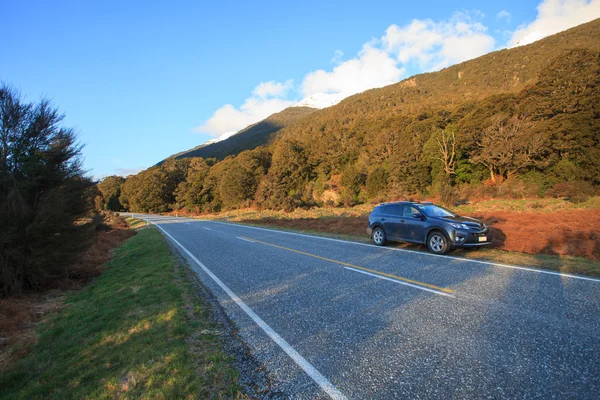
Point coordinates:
[[140, 81]]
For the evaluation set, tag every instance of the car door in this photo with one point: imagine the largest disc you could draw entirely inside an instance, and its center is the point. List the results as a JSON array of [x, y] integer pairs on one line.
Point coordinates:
[[390, 218], [411, 229]]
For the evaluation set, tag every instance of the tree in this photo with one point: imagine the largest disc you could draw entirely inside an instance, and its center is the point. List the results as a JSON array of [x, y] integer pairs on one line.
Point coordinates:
[[447, 150], [44, 194], [508, 146], [188, 192], [353, 181], [110, 188], [236, 185], [376, 182]]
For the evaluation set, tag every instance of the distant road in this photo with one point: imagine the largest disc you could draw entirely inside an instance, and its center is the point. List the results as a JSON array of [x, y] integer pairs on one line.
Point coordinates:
[[330, 318]]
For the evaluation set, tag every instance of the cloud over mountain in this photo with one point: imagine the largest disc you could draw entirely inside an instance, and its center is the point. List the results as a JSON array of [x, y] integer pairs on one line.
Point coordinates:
[[267, 98], [423, 45], [555, 16]]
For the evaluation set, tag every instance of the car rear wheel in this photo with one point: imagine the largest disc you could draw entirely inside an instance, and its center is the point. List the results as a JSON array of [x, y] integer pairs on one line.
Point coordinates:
[[437, 243], [378, 236]]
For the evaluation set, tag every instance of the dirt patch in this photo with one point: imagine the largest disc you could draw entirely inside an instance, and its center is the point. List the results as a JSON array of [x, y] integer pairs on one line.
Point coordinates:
[[571, 233], [90, 262], [18, 317]]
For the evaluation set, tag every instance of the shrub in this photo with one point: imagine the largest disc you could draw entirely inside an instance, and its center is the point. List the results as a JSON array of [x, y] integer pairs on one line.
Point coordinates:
[[448, 194], [575, 191], [43, 195], [518, 189]]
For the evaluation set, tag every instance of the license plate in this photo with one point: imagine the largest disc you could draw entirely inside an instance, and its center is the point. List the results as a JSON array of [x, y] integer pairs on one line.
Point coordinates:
[[483, 238]]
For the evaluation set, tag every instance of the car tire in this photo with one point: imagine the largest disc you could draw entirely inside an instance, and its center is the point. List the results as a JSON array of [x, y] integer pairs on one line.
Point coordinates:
[[378, 236], [438, 243]]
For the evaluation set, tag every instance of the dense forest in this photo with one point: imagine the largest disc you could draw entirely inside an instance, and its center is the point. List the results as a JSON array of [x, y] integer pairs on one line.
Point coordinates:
[[520, 122], [259, 134]]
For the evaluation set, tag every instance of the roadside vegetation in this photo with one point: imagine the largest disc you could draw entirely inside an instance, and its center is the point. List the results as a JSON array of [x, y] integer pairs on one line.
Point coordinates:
[[46, 210], [547, 233], [137, 331]]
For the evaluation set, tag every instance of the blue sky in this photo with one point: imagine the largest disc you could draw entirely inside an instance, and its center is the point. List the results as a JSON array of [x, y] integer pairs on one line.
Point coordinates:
[[143, 80]]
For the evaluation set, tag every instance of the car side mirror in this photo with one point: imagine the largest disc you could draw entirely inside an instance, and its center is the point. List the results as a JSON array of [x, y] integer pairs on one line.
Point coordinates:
[[418, 215]]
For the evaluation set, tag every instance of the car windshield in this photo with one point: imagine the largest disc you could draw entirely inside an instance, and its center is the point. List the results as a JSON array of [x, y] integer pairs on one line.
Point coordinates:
[[436, 211]]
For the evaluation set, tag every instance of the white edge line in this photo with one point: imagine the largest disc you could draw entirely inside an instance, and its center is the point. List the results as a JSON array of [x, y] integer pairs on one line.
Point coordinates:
[[461, 259], [245, 240], [400, 282], [285, 346]]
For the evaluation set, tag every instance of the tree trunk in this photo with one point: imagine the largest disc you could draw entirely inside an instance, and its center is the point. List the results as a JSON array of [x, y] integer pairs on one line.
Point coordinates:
[[492, 175]]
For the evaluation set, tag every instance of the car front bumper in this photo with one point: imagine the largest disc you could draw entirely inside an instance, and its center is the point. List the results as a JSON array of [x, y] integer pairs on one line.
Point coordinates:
[[467, 238]]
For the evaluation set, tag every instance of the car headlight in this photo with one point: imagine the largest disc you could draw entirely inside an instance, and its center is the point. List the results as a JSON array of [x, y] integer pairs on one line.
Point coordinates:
[[459, 226]]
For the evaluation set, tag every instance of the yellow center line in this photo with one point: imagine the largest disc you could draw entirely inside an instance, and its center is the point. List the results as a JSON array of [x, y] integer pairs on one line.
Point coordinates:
[[427, 285]]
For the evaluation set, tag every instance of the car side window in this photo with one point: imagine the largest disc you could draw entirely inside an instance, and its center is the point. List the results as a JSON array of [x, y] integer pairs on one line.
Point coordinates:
[[395, 210], [410, 211]]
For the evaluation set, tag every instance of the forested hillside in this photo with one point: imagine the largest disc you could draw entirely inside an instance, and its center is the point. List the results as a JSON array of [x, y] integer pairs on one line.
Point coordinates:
[[260, 134], [514, 123]]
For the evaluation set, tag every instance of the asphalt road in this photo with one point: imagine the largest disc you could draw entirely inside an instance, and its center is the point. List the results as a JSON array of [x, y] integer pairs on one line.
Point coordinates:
[[330, 318]]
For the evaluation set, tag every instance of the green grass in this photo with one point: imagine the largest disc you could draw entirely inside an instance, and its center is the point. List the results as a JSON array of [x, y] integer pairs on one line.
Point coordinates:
[[138, 331], [545, 205], [135, 223]]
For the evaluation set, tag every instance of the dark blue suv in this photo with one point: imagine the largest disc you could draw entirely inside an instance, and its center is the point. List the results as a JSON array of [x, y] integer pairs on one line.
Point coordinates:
[[425, 223]]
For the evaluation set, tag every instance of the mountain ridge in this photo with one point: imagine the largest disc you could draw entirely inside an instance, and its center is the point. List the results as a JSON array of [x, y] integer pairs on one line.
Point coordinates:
[[258, 134]]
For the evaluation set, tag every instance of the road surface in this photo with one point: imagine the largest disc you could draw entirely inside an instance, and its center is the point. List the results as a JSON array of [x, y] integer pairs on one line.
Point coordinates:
[[335, 319]]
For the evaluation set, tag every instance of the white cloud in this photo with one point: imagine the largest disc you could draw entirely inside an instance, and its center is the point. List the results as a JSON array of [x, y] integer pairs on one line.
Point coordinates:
[[421, 46], [503, 14], [435, 45], [265, 100], [128, 171], [337, 57], [555, 16], [372, 68], [272, 89]]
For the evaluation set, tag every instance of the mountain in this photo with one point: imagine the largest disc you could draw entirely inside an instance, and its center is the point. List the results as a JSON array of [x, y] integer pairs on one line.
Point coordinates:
[[258, 134], [527, 116], [321, 100]]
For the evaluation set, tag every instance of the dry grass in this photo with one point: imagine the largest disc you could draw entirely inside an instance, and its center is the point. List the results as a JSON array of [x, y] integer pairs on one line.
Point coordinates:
[[566, 233], [570, 233], [18, 318]]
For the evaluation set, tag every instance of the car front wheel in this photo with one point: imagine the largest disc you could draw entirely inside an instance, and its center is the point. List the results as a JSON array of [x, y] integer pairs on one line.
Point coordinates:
[[438, 243], [378, 236]]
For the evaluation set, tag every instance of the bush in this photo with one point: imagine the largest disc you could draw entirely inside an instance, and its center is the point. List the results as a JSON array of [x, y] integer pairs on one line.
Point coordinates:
[[448, 194], [575, 191], [43, 195], [518, 189]]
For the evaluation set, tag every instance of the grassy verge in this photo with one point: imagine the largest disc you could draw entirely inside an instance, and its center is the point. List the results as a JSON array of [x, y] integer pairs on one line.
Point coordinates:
[[135, 223], [566, 264], [137, 332]]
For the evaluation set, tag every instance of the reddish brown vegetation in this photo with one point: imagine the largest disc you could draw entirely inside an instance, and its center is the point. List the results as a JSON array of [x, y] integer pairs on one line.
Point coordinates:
[[573, 233], [90, 263], [18, 315]]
